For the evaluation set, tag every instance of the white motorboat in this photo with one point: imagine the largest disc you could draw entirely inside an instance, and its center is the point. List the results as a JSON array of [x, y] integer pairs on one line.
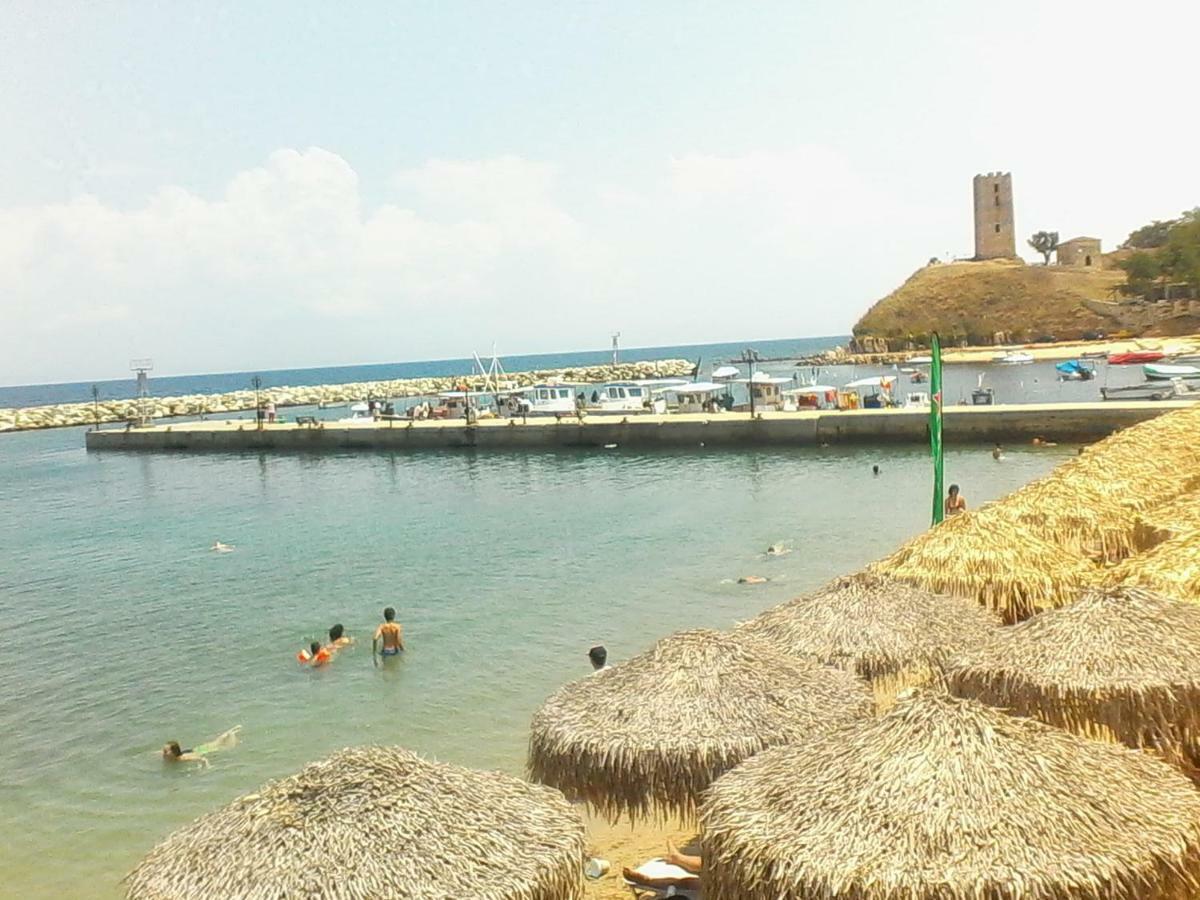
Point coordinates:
[[629, 397], [699, 396], [557, 399], [810, 396], [1164, 372], [359, 413], [1014, 359]]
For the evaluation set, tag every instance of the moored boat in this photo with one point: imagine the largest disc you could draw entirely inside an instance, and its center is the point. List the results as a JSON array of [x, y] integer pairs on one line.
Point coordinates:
[[1015, 359], [1165, 372], [1133, 357], [1150, 391], [1074, 370]]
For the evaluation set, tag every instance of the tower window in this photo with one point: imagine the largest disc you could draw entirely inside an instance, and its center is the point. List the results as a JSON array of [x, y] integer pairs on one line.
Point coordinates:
[[997, 229], [997, 199], [995, 188]]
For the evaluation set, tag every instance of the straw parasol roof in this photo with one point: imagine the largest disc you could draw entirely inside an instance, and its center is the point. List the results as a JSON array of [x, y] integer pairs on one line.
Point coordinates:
[[1075, 514], [376, 822], [1172, 568], [888, 632], [1122, 664], [944, 798], [648, 736], [985, 557], [1173, 518]]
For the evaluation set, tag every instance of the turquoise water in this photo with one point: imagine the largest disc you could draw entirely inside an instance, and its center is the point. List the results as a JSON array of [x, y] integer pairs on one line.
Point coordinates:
[[122, 631]]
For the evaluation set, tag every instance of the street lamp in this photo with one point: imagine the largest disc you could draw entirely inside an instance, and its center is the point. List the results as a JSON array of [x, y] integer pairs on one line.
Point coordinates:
[[96, 404], [258, 414], [750, 357]]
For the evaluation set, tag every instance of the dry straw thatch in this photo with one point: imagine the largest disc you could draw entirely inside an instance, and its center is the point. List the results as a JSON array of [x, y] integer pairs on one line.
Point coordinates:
[[1122, 664], [1072, 513], [376, 822], [888, 632], [944, 798], [985, 557], [1171, 568], [649, 735], [1171, 519]]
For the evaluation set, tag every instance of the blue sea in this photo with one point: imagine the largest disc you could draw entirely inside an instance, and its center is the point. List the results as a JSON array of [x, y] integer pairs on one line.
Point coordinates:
[[122, 630]]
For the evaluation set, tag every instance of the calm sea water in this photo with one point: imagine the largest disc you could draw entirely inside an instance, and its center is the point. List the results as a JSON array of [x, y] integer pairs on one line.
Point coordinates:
[[122, 631]]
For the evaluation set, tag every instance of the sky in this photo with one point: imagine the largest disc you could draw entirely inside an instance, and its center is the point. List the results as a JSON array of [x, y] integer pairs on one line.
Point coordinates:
[[258, 185]]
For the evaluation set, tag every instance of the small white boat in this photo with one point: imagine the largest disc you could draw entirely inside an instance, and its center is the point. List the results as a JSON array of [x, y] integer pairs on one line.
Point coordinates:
[[767, 391], [810, 396], [543, 400], [919, 360], [1015, 359], [699, 396], [627, 397], [1163, 372], [359, 413]]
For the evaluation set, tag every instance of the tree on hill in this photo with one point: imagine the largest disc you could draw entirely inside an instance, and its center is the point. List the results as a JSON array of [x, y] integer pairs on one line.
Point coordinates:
[[1175, 260], [1158, 232], [1045, 243]]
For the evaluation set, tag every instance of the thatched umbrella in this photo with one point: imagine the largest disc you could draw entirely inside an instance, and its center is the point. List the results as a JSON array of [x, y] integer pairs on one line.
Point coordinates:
[[1122, 664], [985, 557], [1172, 568], [1075, 514], [888, 632], [945, 798], [376, 822], [1170, 519], [649, 735]]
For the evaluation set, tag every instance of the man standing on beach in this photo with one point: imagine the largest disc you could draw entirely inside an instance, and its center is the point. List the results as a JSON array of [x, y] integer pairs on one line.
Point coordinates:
[[390, 634]]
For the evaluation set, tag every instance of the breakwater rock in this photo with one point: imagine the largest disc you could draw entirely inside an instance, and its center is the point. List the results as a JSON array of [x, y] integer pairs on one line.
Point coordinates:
[[68, 414]]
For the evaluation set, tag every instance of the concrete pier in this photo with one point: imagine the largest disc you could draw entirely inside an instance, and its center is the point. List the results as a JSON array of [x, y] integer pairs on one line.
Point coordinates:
[[962, 424]]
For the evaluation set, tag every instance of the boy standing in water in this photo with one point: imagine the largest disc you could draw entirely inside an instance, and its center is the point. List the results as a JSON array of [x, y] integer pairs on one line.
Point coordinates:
[[390, 633]]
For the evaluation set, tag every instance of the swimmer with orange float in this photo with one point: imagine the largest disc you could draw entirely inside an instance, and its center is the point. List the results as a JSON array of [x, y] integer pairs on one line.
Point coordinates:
[[315, 656], [173, 753]]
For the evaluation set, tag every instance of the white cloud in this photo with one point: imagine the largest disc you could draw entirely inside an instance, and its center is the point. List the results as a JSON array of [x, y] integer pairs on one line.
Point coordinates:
[[290, 265]]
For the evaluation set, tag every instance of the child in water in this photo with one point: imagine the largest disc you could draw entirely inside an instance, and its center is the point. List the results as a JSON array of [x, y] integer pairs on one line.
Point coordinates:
[[173, 753]]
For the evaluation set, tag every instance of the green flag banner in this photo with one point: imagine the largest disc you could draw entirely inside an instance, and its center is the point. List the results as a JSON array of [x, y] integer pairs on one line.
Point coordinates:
[[935, 425]]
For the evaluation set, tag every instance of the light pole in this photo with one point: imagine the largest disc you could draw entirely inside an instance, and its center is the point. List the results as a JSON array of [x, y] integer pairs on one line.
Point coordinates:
[[258, 413], [750, 357], [96, 405]]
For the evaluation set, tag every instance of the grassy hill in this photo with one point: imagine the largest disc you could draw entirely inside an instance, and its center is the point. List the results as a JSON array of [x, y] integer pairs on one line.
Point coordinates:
[[974, 300]]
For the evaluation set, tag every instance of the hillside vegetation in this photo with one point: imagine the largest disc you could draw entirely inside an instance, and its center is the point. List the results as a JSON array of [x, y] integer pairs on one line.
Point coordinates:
[[974, 300]]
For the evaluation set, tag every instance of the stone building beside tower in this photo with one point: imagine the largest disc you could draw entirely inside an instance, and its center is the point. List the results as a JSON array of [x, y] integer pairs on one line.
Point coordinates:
[[995, 237]]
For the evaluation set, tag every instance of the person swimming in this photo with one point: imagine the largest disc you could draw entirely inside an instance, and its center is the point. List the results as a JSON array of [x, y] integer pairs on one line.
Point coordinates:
[[338, 638], [778, 550], [752, 579], [390, 634], [315, 655], [173, 753]]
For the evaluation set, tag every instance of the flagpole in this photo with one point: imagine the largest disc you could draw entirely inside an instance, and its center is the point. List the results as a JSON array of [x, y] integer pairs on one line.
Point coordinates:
[[935, 425]]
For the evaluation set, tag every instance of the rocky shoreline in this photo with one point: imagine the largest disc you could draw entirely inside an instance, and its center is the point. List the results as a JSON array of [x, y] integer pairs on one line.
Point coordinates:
[[65, 415]]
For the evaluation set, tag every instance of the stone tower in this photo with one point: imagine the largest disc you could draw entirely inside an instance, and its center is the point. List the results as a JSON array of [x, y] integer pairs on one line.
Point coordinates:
[[994, 234]]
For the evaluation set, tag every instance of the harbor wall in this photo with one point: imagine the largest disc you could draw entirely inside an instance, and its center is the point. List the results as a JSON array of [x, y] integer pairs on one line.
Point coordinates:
[[967, 425]]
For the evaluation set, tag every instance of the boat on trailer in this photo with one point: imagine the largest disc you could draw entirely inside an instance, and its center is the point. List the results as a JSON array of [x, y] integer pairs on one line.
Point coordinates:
[[1153, 390]]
